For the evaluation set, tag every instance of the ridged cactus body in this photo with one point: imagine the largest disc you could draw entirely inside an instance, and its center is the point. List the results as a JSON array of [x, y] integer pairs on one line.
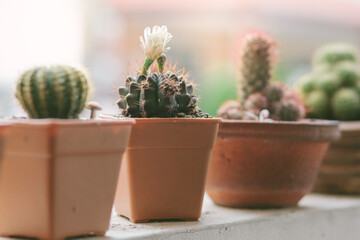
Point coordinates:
[[53, 92], [335, 81], [163, 95], [256, 90]]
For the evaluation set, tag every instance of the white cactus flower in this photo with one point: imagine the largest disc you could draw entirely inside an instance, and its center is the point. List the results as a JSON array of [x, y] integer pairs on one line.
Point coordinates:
[[154, 43]]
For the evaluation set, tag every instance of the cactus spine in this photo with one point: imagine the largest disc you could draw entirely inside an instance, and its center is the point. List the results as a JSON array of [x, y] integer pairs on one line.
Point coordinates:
[[256, 91], [53, 92]]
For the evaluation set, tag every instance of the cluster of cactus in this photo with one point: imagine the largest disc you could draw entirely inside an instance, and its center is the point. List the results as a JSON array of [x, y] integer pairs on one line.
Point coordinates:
[[256, 91], [332, 89], [53, 92], [166, 94]]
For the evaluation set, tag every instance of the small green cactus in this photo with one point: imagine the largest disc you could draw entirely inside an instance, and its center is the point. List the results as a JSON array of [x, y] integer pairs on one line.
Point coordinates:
[[53, 92], [306, 84], [348, 73], [333, 90], [158, 95], [331, 54], [346, 104], [164, 92], [256, 91], [318, 104], [328, 83]]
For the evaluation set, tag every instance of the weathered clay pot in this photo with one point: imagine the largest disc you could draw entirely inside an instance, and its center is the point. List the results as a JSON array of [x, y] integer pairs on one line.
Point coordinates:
[[4, 130], [58, 177], [340, 171], [267, 164], [164, 169]]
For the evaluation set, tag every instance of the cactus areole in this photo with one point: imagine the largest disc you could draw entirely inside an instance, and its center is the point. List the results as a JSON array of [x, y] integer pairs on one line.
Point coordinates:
[[53, 92], [256, 91], [161, 91]]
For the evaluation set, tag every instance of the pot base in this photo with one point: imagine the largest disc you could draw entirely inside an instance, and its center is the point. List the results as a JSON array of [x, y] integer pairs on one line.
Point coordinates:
[[160, 220], [278, 199]]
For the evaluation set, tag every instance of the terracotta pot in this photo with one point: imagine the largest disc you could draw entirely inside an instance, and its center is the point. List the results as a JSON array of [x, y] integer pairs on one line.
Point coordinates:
[[59, 177], [4, 130], [164, 169], [340, 171], [267, 164]]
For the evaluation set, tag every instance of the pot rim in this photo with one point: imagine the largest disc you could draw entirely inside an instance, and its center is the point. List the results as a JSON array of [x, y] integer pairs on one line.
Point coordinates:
[[303, 122], [161, 120], [67, 122], [349, 126], [303, 130]]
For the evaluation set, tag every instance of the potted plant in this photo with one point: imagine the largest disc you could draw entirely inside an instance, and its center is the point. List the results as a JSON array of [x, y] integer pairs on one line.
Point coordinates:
[[59, 173], [164, 169], [332, 91], [256, 161]]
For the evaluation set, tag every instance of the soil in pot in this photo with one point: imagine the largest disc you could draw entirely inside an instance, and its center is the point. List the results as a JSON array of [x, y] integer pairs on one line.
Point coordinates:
[[267, 164], [59, 177], [164, 169]]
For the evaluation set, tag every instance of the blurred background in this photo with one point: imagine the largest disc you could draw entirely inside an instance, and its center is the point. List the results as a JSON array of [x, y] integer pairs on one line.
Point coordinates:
[[103, 36]]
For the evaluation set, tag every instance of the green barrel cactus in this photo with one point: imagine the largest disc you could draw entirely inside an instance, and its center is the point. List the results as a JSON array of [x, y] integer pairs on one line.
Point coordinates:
[[333, 90], [163, 92], [53, 92], [256, 91]]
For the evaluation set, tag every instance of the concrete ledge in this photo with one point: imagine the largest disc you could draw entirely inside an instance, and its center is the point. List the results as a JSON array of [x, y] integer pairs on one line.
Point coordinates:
[[317, 217]]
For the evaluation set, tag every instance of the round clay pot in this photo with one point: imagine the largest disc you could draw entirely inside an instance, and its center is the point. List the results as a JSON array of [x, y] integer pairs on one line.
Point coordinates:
[[267, 164], [340, 171]]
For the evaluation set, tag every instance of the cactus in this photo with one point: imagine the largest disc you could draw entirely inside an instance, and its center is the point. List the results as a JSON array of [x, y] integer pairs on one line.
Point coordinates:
[[331, 54], [306, 84], [53, 92], [318, 104], [328, 83], [163, 95], [256, 91], [255, 103], [230, 110], [348, 73], [256, 61], [290, 110], [333, 91], [162, 92], [346, 104]]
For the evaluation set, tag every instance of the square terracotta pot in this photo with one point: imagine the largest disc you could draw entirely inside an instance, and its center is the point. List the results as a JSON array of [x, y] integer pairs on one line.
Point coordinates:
[[164, 169], [59, 177]]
